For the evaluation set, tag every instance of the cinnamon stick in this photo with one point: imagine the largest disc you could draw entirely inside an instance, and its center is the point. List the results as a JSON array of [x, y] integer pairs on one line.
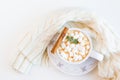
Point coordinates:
[[58, 42]]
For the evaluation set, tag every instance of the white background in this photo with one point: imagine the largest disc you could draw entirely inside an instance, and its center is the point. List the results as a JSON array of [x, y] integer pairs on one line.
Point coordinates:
[[19, 16]]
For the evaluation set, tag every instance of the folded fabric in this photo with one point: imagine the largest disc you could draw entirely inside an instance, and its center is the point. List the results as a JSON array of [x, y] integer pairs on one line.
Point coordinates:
[[105, 41]]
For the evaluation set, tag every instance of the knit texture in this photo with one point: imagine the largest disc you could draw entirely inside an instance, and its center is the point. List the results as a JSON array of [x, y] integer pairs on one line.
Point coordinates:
[[105, 41]]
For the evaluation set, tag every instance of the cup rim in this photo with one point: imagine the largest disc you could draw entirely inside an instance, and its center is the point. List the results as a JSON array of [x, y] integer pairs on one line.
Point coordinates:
[[86, 34]]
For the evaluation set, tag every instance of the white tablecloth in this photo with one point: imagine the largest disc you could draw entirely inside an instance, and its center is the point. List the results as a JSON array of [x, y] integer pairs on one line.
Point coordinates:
[[17, 17]]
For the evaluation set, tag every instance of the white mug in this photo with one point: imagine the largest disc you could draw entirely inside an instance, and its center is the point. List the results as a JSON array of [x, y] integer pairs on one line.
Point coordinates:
[[92, 53]]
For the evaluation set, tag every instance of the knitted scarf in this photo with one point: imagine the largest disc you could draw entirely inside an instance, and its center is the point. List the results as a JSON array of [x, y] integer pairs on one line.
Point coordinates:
[[105, 41]]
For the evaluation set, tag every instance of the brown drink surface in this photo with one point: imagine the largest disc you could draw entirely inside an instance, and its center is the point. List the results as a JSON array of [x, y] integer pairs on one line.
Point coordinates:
[[74, 47]]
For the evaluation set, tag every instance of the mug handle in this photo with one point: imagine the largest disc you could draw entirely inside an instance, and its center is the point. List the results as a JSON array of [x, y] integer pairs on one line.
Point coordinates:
[[96, 55]]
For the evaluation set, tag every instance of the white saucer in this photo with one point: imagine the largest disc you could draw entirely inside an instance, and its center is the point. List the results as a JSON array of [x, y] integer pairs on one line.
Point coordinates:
[[71, 69]]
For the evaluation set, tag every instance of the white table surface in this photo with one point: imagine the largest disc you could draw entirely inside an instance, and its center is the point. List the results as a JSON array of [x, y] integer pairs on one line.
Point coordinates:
[[17, 17]]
